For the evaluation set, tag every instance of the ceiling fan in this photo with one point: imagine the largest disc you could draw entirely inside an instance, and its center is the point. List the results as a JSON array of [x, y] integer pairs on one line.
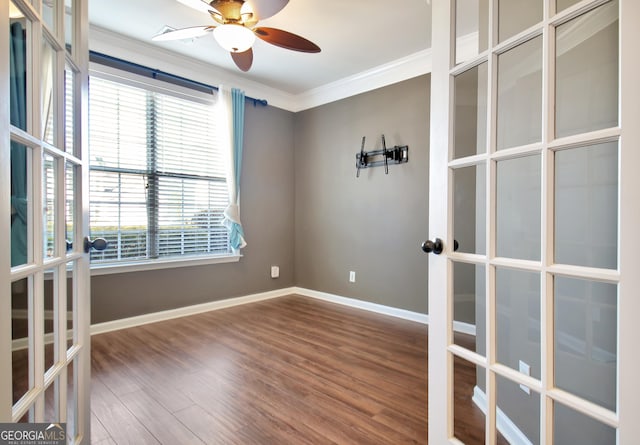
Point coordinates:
[[235, 29]]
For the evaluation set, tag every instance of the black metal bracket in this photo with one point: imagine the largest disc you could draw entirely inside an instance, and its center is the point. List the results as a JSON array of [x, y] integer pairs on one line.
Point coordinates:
[[396, 155]]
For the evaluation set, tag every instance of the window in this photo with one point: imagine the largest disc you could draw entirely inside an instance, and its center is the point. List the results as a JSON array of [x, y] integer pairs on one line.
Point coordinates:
[[157, 187]]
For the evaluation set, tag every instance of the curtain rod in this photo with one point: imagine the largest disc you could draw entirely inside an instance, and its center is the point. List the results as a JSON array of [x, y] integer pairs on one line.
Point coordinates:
[[142, 70]]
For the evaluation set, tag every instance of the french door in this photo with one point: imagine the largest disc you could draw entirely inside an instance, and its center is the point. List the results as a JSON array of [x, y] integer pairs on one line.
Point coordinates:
[[44, 271], [533, 179]]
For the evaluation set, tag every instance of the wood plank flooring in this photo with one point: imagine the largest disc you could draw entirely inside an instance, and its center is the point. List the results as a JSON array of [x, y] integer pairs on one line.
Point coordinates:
[[291, 370], [287, 371]]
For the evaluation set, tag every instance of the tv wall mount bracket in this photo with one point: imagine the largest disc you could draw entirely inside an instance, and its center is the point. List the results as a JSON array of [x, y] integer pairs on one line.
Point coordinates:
[[385, 156]]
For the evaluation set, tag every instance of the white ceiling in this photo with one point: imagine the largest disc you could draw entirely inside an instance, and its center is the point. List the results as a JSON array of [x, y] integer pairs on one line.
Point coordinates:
[[355, 36]]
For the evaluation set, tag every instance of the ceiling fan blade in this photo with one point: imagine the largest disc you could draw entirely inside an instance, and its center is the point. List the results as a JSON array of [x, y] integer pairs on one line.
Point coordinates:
[[243, 60], [285, 39], [266, 8], [200, 5], [183, 33]]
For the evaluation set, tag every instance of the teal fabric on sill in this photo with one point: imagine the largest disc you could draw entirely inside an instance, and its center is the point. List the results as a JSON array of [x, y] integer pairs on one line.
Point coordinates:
[[232, 212]]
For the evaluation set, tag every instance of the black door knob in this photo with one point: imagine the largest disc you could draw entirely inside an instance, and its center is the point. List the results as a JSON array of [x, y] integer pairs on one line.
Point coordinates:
[[433, 246], [98, 244]]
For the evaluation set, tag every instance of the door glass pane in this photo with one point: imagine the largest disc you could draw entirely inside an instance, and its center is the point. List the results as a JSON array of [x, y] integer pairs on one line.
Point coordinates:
[[518, 411], [572, 427], [72, 399], [49, 211], [51, 411], [20, 220], [587, 72], [71, 307], [472, 17], [519, 120], [469, 306], [470, 120], [518, 208], [70, 205], [518, 320], [561, 5], [515, 16], [20, 307], [47, 84], [48, 13], [68, 24], [586, 206], [585, 316], [18, 67], [50, 312], [469, 207], [20, 214], [69, 110], [468, 418]]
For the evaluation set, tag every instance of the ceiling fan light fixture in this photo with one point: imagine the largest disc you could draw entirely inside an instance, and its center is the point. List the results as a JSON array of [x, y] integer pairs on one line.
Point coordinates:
[[234, 38]]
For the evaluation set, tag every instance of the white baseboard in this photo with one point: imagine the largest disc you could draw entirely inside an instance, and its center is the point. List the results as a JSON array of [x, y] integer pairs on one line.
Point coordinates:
[[505, 425], [49, 314], [458, 326], [154, 317], [23, 343], [464, 328], [214, 305], [130, 322], [366, 305], [100, 328]]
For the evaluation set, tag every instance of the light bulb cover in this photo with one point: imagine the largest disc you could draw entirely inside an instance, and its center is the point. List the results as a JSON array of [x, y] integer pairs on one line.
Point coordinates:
[[234, 38]]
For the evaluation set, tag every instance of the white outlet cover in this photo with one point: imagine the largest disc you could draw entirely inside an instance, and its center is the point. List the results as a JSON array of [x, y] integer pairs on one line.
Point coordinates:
[[275, 271]]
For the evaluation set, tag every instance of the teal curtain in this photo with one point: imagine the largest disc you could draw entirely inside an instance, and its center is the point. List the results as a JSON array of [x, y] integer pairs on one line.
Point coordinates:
[[232, 212], [18, 106]]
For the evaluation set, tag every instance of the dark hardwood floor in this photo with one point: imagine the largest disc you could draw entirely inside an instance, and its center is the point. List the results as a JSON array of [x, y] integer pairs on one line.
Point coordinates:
[[287, 371], [291, 370]]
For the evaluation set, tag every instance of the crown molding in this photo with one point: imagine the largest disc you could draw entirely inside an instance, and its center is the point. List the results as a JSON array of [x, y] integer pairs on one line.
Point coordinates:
[[396, 71], [117, 45]]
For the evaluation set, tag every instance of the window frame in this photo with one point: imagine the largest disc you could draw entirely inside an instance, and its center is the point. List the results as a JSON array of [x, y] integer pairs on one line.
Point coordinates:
[[122, 266]]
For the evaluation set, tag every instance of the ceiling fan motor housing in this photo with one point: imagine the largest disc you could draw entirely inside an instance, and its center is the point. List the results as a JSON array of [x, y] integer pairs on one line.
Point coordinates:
[[229, 9]]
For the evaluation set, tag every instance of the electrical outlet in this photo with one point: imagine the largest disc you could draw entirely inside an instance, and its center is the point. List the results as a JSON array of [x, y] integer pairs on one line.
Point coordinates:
[[352, 277], [526, 370], [275, 271]]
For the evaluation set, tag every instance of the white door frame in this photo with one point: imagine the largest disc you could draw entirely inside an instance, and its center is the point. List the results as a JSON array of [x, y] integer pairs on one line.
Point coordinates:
[[37, 268], [440, 271], [83, 303], [5, 223], [629, 234], [440, 405]]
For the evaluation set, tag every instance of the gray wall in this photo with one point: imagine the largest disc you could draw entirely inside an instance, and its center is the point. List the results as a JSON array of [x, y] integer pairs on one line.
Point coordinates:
[[267, 192], [374, 224]]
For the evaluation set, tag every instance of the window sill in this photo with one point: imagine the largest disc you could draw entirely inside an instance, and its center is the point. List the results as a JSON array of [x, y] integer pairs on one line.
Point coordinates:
[[138, 266]]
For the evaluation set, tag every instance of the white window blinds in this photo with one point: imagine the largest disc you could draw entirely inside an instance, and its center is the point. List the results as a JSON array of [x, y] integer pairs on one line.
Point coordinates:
[[157, 185]]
